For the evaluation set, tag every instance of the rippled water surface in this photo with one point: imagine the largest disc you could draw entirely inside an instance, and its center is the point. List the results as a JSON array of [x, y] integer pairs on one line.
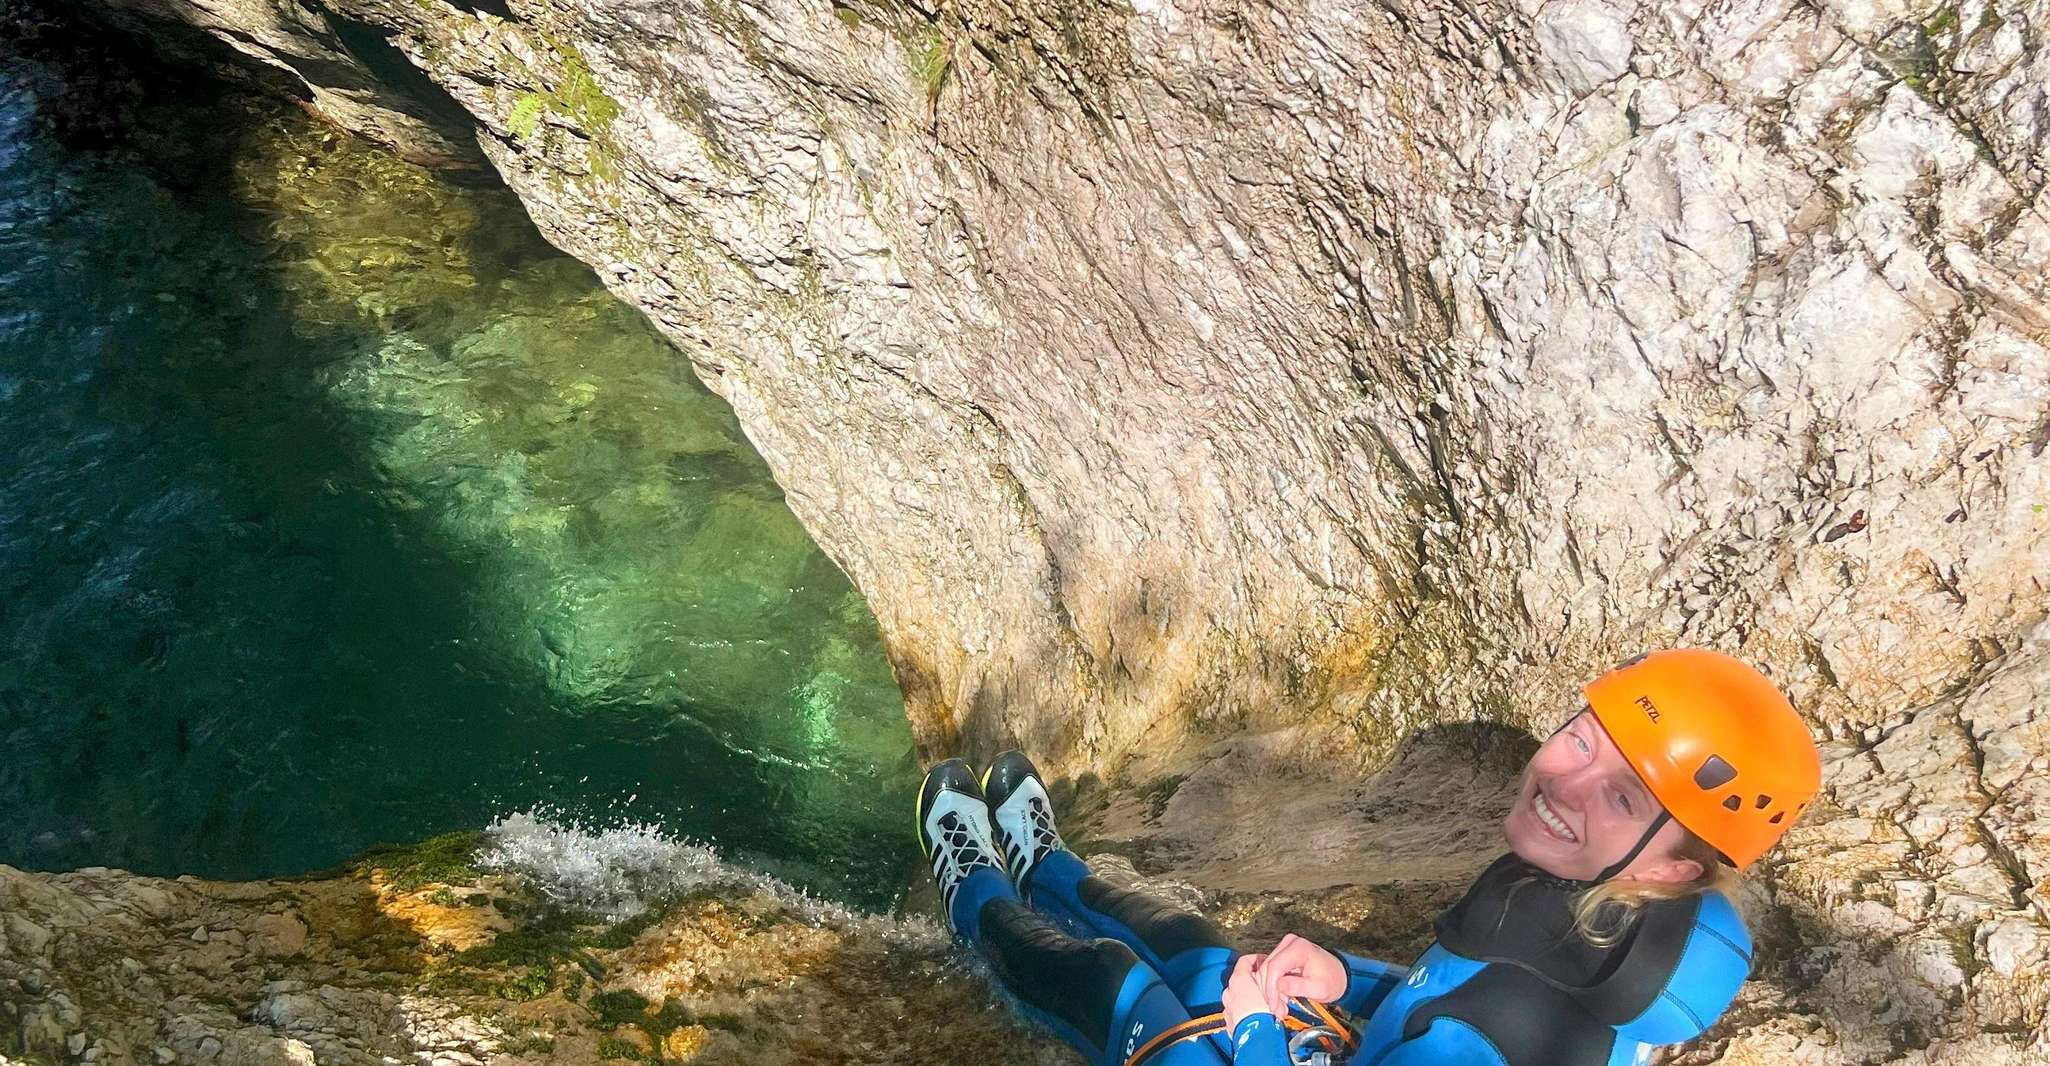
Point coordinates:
[[337, 508]]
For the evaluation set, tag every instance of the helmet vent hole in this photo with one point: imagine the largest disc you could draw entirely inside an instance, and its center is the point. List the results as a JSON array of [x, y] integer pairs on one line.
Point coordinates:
[[1777, 818], [1733, 803], [1714, 774], [1763, 801]]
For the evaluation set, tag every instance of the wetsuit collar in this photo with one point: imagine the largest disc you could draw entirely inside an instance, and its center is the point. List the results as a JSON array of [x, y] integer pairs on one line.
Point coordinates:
[[1515, 911], [1516, 916]]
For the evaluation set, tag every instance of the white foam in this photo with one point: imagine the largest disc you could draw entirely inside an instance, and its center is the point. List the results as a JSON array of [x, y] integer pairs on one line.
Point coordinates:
[[619, 872]]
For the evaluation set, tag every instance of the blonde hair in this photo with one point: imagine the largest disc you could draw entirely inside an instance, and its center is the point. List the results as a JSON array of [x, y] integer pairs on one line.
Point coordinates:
[[1602, 914]]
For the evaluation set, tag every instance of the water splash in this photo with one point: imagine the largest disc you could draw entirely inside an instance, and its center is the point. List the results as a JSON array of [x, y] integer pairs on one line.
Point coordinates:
[[621, 871]]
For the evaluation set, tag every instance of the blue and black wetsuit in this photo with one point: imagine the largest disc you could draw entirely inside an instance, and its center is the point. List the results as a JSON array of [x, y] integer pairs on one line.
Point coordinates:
[[1508, 982], [1117, 974]]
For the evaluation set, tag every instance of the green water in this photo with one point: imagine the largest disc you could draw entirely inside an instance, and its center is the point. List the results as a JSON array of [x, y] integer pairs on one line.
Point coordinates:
[[337, 508]]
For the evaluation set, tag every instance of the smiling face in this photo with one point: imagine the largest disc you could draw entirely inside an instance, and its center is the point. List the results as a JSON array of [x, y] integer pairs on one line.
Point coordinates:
[[1581, 807]]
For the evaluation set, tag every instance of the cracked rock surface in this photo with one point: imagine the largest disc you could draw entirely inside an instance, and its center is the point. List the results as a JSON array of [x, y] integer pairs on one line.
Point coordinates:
[[1183, 367]]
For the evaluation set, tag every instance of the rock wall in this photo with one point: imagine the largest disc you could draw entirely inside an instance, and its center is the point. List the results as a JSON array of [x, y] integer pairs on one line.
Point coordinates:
[[1178, 367], [341, 71]]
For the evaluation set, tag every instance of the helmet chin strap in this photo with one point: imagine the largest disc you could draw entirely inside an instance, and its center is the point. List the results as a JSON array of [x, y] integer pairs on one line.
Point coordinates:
[[1637, 849], [1650, 831]]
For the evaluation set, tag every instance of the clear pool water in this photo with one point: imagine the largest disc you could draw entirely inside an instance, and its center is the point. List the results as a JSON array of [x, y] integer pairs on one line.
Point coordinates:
[[338, 508]]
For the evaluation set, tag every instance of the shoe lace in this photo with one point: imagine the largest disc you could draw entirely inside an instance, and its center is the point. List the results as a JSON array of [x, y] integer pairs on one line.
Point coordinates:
[[1044, 839], [956, 854]]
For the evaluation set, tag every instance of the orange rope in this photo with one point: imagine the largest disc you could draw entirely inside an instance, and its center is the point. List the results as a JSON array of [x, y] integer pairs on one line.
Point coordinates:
[[1331, 1019], [1297, 1025], [1188, 1030]]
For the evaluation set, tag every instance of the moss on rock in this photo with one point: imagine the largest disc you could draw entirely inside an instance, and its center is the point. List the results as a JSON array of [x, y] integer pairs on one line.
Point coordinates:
[[448, 859]]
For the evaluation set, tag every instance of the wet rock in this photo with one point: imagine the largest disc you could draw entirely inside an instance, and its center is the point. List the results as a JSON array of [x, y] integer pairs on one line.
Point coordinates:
[[386, 992], [279, 40]]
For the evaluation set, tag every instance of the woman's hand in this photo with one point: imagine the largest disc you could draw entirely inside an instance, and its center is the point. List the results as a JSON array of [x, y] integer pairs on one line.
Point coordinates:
[[1297, 967], [1242, 994]]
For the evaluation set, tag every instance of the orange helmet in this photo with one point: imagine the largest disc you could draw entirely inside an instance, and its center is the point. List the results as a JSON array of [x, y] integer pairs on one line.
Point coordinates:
[[1715, 741]]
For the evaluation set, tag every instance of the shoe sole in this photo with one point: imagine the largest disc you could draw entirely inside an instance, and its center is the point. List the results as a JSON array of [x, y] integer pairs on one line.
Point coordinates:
[[918, 820]]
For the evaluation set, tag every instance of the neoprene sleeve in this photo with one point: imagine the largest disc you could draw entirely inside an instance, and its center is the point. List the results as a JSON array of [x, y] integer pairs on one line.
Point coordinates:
[[1259, 1041], [1367, 983]]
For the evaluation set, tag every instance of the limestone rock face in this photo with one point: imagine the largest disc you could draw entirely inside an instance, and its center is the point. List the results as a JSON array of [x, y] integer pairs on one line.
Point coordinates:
[[1914, 905], [302, 50], [1183, 366]]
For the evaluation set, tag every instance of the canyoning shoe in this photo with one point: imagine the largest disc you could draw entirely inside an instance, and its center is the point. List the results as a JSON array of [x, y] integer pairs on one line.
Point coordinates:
[[1022, 813], [954, 830]]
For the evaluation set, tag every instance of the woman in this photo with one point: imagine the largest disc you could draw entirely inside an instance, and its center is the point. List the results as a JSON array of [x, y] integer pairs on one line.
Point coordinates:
[[1608, 929]]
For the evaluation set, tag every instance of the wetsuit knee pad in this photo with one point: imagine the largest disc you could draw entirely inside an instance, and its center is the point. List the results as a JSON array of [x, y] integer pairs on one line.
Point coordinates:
[[1167, 930], [1075, 982]]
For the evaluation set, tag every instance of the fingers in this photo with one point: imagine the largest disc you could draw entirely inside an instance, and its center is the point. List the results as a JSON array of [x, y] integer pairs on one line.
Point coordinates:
[[1297, 967], [1242, 993], [1271, 977]]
